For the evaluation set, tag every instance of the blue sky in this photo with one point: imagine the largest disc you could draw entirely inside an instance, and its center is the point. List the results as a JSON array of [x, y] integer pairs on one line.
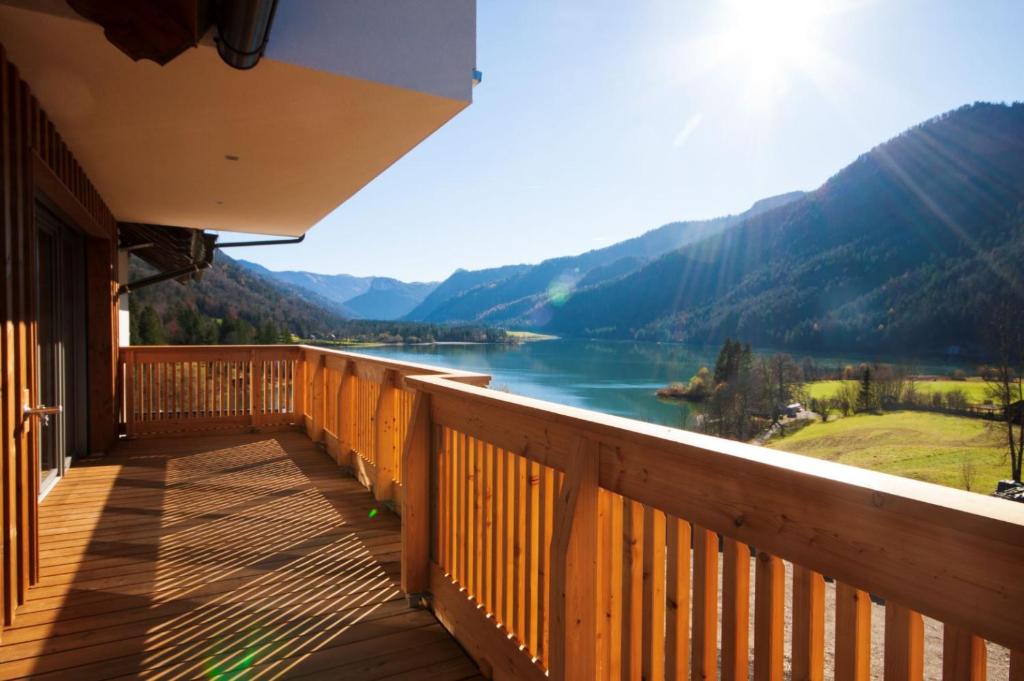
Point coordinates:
[[599, 120]]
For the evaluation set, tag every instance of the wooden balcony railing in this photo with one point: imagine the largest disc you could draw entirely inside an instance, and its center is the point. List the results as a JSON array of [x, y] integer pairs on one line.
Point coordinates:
[[554, 541]]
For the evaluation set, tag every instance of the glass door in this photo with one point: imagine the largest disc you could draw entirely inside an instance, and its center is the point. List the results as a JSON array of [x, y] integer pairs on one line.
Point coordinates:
[[61, 422]]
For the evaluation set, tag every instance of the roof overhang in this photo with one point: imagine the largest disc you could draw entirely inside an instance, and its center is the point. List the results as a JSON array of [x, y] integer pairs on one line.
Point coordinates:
[[343, 91]]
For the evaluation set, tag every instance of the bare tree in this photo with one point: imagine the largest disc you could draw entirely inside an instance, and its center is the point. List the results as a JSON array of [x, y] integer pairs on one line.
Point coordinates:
[[967, 471], [1005, 378]]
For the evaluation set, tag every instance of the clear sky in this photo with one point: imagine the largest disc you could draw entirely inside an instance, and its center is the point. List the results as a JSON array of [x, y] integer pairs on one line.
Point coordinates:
[[598, 120]]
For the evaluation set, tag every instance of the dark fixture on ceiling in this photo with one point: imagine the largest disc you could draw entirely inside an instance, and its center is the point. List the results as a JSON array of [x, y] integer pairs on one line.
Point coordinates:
[[160, 30], [243, 29]]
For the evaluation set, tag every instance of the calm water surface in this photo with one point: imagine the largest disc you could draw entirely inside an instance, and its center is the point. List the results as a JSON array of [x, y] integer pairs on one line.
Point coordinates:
[[615, 377]]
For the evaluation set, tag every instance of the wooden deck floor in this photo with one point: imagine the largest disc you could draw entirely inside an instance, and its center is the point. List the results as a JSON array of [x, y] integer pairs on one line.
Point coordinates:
[[230, 556]]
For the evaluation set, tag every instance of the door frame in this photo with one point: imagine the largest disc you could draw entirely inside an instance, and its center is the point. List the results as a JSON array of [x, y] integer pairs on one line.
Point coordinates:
[[74, 370]]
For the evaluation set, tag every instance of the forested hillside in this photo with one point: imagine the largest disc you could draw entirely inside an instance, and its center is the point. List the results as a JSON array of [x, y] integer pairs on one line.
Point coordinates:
[[903, 250], [233, 304], [505, 294]]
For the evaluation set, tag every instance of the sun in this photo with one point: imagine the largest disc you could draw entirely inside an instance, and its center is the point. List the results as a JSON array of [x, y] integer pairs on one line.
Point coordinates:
[[771, 41]]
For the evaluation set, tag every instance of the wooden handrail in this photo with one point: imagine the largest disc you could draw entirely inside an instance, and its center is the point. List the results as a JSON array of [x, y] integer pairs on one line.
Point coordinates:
[[558, 542], [951, 555]]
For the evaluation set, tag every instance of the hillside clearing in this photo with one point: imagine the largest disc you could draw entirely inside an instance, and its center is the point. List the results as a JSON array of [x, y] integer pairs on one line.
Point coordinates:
[[919, 445]]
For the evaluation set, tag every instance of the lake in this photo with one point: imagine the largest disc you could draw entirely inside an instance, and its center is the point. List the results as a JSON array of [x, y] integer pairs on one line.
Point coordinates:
[[615, 377]]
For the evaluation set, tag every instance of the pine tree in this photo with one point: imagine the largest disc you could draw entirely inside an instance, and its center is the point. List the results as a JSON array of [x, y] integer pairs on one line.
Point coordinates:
[[864, 399], [151, 329]]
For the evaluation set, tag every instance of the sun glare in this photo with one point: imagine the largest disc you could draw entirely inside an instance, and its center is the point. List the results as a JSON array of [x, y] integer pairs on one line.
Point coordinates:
[[771, 41]]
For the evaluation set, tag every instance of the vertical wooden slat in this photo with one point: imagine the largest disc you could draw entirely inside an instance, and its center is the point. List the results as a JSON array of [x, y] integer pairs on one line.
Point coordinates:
[[484, 541], [654, 595], [904, 644], [735, 610], [704, 654], [546, 514], [498, 533], [1017, 665], [604, 584], [574, 569], [677, 624], [769, 608], [440, 509], [964, 656], [808, 642], [458, 446], [531, 596], [632, 589], [510, 542], [853, 634], [519, 606], [615, 537]]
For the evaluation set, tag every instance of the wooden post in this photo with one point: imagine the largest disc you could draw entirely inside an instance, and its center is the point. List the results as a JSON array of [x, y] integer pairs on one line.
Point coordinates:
[[299, 381], [574, 558], [346, 411], [385, 421], [416, 504], [257, 385], [130, 380], [315, 425]]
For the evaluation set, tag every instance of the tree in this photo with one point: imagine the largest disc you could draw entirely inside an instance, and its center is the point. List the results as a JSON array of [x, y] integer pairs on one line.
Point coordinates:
[[236, 331], [194, 328], [1005, 378], [730, 409], [865, 398], [269, 333], [150, 328]]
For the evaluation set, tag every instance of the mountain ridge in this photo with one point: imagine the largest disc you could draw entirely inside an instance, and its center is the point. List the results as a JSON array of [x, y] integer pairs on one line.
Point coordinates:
[[370, 297], [901, 248], [517, 286]]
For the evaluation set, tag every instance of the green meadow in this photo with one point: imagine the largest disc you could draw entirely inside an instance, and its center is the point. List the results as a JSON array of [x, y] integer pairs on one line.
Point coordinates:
[[919, 445]]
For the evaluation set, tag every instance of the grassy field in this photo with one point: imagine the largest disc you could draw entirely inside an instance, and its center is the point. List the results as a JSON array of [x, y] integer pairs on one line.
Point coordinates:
[[919, 445], [974, 387]]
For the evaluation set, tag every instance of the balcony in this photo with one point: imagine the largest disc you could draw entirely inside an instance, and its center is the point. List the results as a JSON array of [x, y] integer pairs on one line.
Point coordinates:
[[286, 511]]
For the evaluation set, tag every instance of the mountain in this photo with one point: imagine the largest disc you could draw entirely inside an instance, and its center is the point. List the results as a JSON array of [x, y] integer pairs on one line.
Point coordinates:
[[904, 250], [388, 298], [362, 297], [459, 283], [229, 289], [501, 295]]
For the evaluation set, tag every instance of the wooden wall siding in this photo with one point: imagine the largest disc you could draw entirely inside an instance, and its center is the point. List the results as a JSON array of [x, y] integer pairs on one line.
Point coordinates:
[[564, 544], [34, 160]]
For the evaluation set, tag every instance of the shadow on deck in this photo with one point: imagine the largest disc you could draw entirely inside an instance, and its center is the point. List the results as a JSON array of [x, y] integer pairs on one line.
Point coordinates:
[[228, 556]]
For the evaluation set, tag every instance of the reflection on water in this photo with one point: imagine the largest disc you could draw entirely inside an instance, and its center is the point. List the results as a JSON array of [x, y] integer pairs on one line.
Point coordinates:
[[615, 377]]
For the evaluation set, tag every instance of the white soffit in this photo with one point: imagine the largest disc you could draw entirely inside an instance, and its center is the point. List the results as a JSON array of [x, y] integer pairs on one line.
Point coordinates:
[[155, 140]]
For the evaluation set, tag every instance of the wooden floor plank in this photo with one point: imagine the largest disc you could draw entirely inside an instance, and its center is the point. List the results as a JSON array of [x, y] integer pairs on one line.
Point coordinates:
[[228, 556]]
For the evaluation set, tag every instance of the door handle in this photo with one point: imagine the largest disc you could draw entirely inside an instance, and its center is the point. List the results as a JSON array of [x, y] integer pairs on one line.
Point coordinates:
[[42, 412]]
